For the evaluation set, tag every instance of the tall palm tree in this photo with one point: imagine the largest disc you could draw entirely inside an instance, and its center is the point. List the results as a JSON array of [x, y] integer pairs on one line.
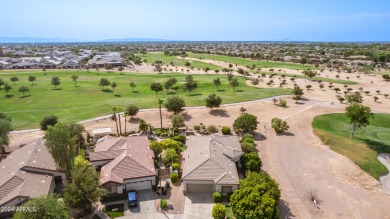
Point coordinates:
[[125, 114], [160, 102], [120, 123], [115, 110]]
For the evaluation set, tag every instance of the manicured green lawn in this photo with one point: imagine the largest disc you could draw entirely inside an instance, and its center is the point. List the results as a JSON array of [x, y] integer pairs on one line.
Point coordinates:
[[152, 57], [119, 212], [87, 100], [245, 62], [334, 130]]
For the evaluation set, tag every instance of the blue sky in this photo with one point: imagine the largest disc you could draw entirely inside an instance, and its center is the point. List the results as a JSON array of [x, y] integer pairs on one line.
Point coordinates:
[[311, 20]]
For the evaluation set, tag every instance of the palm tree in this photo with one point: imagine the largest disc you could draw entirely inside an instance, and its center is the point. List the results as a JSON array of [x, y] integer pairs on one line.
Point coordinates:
[[120, 123], [114, 110], [160, 102], [125, 114]]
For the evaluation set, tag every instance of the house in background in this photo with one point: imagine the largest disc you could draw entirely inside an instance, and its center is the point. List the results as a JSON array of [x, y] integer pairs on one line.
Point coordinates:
[[27, 173], [210, 164], [102, 59], [125, 163]]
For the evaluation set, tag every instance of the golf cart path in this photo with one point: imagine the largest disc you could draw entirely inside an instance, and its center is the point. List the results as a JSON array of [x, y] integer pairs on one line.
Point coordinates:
[[343, 190], [385, 179]]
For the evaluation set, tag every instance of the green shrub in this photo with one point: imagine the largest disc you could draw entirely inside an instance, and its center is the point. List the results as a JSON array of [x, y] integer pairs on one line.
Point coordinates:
[[251, 161], [229, 195], [218, 211], [176, 138], [217, 197], [247, 147], [176, 156], [248, 140], [104, 209], [174, 177], [197, 128], [176, 166], [164, 203], [225, 130], [212, 129], [282, 103], [176, 160], [164, 134], [247, 135]]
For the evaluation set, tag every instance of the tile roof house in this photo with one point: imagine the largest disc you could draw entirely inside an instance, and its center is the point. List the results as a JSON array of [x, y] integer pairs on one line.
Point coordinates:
[[27, 173], [126, 163], [104, 59], [210, 164]]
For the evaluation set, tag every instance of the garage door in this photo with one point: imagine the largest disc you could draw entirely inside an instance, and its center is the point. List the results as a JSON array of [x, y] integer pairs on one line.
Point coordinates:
[[140, 185], [227, 189], [198, 188]]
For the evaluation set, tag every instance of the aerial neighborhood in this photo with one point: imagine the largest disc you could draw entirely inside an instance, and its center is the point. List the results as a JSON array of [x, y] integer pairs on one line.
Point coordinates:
[[218, 115]]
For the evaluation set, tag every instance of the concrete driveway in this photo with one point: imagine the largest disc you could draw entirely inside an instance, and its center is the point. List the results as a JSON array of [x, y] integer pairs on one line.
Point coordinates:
[[145, 205], [198, 205]]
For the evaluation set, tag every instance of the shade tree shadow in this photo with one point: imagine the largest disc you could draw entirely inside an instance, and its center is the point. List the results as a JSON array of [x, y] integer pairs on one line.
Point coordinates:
[[219, 112], [25, 96]]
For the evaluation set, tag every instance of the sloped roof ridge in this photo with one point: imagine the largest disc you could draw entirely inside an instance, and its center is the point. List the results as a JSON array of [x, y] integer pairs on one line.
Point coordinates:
[[196, 167]]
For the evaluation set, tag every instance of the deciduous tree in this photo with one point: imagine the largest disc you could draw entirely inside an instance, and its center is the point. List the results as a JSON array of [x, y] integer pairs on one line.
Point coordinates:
[[245, 123], [359, 116]]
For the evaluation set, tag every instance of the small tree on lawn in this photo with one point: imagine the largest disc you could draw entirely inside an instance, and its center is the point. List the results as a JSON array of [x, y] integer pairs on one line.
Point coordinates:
[[75, 78], [234, 83], [213, 101], [218, 211], [190, 84], [132, 85], [55, 81], [359, 116], [7, 88], [132, 110], [217, 83], [104, 82], [245, 123], [31, 79], [14, 79], [279, 125], [114, 85], [175, 104], [24, 89], [156, 87]]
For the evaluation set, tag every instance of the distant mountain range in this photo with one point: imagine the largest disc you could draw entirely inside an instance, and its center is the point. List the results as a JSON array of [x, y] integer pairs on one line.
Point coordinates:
[[60, 40]]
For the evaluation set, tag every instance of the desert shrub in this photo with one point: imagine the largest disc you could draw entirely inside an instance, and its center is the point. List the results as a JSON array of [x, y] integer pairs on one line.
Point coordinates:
[[174, 177], [212, 128], [226, 130], [217, 197], [164, 203], [248, 140], [247, 135], [282, 103], [218, 211], [176, 166], [247, 147], [197, 128]]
